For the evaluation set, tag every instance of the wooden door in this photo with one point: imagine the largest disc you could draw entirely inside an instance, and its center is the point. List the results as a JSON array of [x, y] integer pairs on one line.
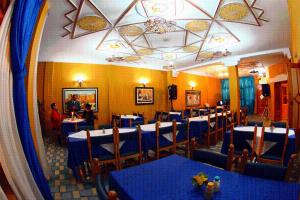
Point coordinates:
[[294, 95], [261, 103], [284, 101]]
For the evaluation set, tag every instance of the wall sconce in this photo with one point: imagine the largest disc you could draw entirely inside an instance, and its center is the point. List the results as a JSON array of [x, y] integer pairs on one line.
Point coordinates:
[[192, 84], [80, 79], [143, 81]]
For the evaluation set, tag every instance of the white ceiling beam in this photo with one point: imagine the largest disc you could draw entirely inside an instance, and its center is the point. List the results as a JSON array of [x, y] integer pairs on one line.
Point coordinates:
[[234, 60]]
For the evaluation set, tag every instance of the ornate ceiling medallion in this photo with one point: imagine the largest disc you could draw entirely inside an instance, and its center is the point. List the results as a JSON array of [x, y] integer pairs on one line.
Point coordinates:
[[234, 11], [197, 25], [145, 52], [92, 23], [159, 25], [190, 49], [132, 58], [131, 30]]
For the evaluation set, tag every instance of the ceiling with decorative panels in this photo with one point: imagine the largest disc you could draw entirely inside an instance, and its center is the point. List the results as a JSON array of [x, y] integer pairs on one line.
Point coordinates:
[[158, 33]]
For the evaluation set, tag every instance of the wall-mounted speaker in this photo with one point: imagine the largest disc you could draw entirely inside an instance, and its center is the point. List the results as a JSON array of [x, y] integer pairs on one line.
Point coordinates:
[[266, 90], [172, 90]]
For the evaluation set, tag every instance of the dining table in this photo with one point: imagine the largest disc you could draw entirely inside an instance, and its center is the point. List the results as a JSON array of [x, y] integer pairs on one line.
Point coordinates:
[[199, 124], [70, 125], [149, 136], [78, 150], [171, 178], [125, 120], [291, 145]]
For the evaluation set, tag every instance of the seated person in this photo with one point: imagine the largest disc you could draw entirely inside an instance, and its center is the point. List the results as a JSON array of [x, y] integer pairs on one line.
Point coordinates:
[[88, 115], [56, 119]]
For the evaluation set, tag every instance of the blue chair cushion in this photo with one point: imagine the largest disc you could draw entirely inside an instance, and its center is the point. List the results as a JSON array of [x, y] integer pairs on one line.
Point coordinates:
[[253, 123], [210, 157], [279, 124], [266, 171]]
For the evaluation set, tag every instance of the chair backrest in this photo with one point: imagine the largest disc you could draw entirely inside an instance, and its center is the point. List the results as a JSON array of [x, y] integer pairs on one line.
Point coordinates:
[[134, 137], [160, 131], [281, 142], [278, 124], [195, 112], [263, 170], [135, 114], [212, 122], [229, 118], [187, 112], [215, 158], [165, 116], [253, 123], [157, 115], [183, 129], [221, 119], [240, 140], [95, 142]]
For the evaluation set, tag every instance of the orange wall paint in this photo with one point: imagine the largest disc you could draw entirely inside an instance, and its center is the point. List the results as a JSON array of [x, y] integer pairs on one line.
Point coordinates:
[[116, 87], [210, 89]]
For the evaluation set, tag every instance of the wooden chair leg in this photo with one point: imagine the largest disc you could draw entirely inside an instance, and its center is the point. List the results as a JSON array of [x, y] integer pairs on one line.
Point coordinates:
[[208, 141], [187, 147]]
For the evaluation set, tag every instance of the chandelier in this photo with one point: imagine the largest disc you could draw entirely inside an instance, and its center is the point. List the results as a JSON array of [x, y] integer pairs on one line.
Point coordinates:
[[159, 25]]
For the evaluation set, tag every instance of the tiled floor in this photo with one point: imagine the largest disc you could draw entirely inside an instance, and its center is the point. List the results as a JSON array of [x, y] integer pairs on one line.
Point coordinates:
[[62, 184]]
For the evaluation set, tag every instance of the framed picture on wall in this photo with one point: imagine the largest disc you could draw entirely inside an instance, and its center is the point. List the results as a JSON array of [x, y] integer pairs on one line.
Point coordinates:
[[144, 95], [192, 98], [75, 99]]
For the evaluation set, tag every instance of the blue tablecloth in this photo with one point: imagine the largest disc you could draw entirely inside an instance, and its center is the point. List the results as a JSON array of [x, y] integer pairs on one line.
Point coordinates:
[[170, 178], [125, 122], [78, 152], [67, 128], [291, 146], [198, 128], [176, 117]]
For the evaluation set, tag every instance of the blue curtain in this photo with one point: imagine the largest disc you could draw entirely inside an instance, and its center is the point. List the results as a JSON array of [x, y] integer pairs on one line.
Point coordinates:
[[225, 91], [247, 93], [23, 22]]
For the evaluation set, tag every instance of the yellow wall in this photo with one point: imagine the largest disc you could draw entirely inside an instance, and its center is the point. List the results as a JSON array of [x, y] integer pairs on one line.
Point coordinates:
[[116, 87], [295, 29], [210, 89]]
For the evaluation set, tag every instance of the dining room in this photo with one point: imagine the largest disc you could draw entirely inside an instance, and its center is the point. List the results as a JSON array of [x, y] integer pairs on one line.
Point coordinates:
[[150, 99]]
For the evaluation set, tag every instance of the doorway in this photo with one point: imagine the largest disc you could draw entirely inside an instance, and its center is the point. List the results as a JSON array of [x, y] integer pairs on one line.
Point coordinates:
[[281, 101]]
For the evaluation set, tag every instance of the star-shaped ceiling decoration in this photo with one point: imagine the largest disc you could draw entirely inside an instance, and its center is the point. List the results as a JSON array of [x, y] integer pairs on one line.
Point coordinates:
[[168, 30]]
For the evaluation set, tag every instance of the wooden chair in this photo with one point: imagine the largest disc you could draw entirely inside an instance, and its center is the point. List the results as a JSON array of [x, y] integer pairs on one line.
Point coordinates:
[[182, 138], [135, 152], [264, 170], [212, 127], [157, 116], [195, 112], [215, 158], [239, 139], [220, 127], [95, 160], [229, 120], [275, 155], [116, 120], [159, 132]]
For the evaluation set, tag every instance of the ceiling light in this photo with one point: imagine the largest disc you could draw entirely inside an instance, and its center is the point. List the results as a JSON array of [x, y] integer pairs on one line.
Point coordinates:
[[159, 25]]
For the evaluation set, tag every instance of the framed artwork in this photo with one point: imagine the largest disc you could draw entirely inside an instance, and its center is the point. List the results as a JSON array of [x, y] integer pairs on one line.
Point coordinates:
[[192, 98], [144, 95], [76, 98]]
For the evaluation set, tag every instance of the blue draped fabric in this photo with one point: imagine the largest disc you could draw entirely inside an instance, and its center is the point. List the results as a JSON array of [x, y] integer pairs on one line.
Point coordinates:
[[247, 93], [225, 91], [23, 22]]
